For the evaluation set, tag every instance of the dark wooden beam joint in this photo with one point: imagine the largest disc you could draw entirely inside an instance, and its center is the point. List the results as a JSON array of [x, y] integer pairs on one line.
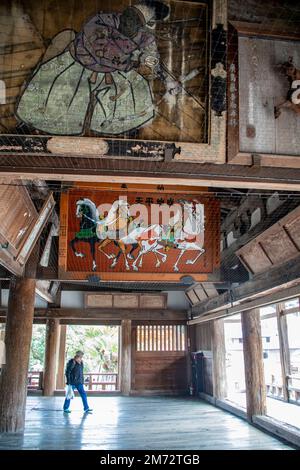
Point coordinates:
[[170, 151], [218, 69], [256, 160]]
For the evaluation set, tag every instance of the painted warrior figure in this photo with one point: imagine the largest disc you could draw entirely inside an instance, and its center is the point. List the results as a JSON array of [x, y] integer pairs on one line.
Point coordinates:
[[98, 80]]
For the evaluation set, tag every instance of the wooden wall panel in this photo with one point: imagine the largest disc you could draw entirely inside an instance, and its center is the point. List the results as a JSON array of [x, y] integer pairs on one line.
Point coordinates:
[[160, 371], [203, 337]]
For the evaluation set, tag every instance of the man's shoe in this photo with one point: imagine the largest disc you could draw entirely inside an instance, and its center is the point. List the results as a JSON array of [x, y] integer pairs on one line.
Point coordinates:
[[89, 410], [67, 411]]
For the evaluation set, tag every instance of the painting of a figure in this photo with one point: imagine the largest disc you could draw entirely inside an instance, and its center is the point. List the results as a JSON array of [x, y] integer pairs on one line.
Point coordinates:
[[127, 69]]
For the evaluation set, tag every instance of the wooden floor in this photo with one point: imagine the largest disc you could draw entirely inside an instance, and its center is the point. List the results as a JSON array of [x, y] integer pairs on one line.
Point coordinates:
[[135, 423]]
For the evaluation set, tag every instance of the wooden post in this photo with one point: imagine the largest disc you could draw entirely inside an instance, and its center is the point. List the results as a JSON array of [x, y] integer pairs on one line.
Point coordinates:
[[254, 367], [284, 349], [18, 332], [52, 336], [126, 349], [60, 378], [191, 347], [219, 359]]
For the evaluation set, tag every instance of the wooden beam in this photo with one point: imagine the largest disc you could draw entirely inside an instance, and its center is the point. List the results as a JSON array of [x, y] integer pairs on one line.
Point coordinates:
[[219, 359], [284, 349], [279, 277], [216, 176], [284, 294], [108, 314], [126, 349], [253, 360], [281, 211], [52, 336]]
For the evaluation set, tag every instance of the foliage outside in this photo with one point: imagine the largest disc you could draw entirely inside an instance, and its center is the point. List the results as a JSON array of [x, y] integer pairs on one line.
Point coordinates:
[[99, 343]]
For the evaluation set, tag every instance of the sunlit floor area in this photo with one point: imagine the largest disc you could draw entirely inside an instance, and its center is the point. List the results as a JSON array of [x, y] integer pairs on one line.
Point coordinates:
[[287, 413], [135, 423]]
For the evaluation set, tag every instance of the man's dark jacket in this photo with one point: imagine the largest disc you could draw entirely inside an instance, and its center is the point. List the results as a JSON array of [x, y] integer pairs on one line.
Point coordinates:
[[74, 373]]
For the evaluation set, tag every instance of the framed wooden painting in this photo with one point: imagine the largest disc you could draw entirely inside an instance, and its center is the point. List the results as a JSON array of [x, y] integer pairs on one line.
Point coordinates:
[[117, 79], [263, 96], [131, 234]]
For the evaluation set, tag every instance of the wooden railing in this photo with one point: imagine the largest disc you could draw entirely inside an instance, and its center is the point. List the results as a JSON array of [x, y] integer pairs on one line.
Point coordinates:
[[94, 381], [98, 381], [35, 380], [293, 386]]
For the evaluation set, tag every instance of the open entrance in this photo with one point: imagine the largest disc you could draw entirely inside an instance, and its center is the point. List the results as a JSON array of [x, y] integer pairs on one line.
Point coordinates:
[[235, 368], [100, 344]]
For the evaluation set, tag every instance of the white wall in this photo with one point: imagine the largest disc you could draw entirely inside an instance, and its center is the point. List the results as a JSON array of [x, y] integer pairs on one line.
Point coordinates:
[[72, 299], [39, 303]]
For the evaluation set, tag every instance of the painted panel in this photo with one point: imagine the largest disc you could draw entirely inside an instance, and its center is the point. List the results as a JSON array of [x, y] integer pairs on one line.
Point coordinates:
[[153, 301], [262, 87], [109, 69], [126, 301], [98, 301], [134, 235]]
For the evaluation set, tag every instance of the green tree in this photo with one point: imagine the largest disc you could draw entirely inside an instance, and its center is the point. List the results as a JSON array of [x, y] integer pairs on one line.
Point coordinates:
[[37, 350]]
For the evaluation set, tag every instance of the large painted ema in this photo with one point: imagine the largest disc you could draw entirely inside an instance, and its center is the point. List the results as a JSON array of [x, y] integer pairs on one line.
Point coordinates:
[[136, 71], [111, 234]]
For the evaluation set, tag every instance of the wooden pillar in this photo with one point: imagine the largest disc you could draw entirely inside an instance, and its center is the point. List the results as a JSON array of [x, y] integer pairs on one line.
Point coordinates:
[[18, 332], [13, 378], [254, 367], [284, 349], [126, 351], [52, 336], [219, 359], [60, 378]]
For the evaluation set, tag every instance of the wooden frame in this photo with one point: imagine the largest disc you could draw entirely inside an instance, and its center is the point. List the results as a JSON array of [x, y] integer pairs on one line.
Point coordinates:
[[213, 151], [235, 155], [123, 300]]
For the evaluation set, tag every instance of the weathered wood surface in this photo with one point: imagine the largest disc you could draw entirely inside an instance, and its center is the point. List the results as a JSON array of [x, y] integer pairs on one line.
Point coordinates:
[[261, 88], [277, 296], [126, 357], [277, 244], [13, 378], [17, 215], [160, 371], [203, 337], [109, 314], [254, 367], [51, 353], [278, 280], [157, 422], [125, 301], [284, 209]]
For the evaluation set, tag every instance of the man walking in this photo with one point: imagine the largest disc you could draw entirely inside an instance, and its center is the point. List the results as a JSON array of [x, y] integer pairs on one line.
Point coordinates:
[[74, 376]]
